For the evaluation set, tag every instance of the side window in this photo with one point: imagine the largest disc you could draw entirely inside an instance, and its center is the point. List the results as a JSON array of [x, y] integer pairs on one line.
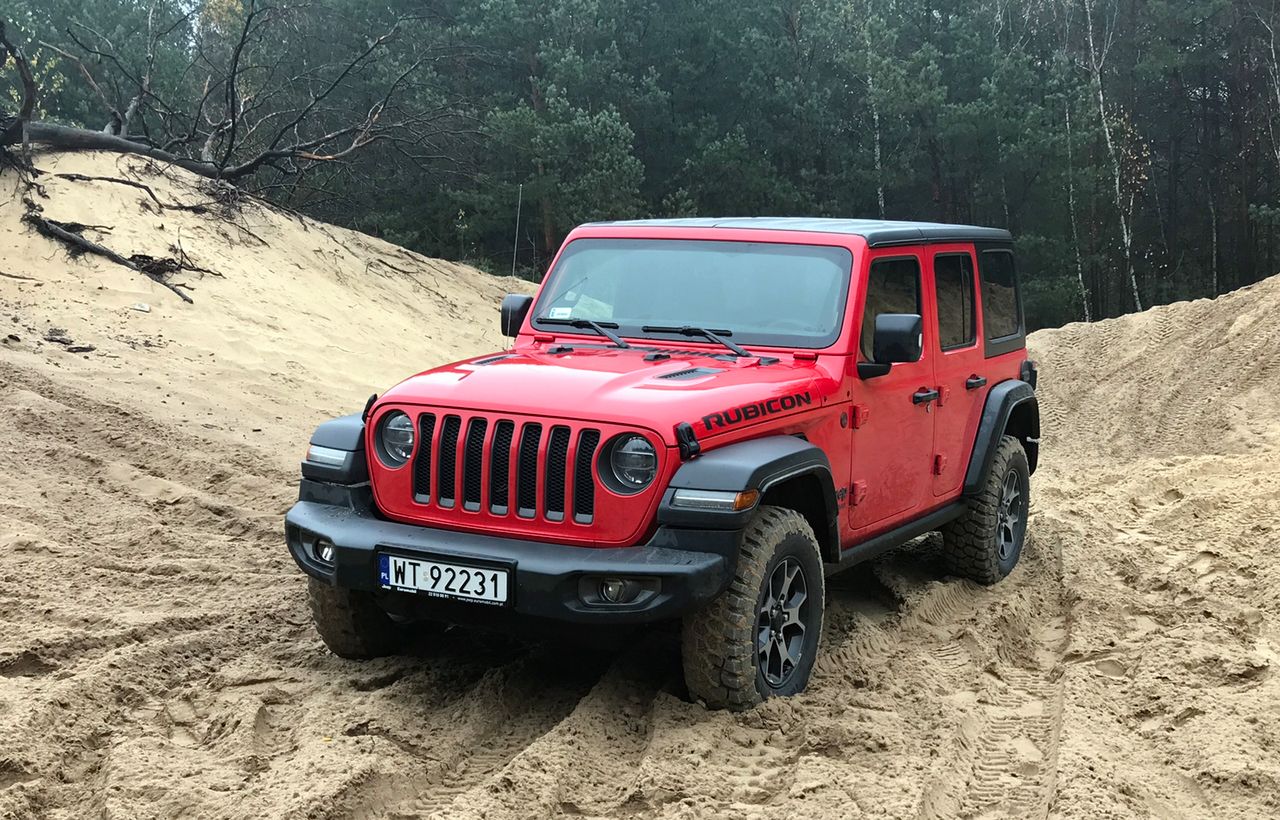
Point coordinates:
[[953, 284], [893, 286], [999, 295]]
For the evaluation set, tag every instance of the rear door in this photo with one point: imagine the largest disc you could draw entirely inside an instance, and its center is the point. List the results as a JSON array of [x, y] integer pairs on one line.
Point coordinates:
[[958, 363], [893, 434]]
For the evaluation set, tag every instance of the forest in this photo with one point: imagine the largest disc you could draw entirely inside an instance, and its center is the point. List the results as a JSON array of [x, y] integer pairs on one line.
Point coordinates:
[[1131, 146]]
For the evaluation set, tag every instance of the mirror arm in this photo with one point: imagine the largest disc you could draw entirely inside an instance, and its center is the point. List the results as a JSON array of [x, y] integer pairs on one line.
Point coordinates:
[[871, 370]]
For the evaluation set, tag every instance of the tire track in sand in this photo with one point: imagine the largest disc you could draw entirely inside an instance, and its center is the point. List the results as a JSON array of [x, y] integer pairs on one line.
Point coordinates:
[[1003, 758]]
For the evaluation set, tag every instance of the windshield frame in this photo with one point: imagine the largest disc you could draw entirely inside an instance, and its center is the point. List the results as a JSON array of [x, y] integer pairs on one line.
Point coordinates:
[[771, 340]]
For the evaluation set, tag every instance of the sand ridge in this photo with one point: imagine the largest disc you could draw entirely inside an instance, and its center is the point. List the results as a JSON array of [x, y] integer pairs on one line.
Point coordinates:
[[156, 658]]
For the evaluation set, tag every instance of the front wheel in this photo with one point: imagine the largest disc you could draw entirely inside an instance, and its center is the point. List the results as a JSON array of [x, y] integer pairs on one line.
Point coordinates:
[[351, 623], [760, 637], [985, 543]]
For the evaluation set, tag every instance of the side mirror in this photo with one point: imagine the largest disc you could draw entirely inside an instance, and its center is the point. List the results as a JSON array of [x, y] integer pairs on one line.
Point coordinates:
[[515, 306], [899, 337]]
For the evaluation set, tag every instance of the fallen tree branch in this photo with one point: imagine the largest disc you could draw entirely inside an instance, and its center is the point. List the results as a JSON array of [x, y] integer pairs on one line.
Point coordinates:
[[117, 180], [66, 137], [153, 269]]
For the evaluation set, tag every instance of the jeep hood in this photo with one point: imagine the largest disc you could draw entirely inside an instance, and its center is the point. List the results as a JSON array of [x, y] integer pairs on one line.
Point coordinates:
[[626, 386]]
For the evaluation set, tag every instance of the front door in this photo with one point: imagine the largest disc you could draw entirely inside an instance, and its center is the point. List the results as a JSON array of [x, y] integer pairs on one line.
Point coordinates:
[[893, 429]]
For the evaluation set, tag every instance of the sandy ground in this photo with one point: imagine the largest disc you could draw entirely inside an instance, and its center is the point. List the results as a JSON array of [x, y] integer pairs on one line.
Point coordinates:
[[156, 658]]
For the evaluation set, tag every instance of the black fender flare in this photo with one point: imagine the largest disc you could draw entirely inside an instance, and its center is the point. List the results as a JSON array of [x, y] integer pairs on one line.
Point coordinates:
[[344, 435], [1006, 399], [758, 464]]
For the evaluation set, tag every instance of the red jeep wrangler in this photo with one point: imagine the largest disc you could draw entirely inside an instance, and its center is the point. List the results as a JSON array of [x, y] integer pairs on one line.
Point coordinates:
[[698, 419]]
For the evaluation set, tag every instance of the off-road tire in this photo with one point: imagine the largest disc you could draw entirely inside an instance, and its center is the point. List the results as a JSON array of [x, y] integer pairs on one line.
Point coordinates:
[[351, 623], [971, 543], [718, 642]]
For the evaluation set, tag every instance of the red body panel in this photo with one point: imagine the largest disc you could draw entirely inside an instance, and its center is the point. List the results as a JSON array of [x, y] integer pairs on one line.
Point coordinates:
[[893, 459]]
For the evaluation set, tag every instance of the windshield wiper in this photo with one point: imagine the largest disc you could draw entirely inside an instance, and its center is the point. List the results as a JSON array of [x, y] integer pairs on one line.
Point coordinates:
[[716, 336], [601, 328]]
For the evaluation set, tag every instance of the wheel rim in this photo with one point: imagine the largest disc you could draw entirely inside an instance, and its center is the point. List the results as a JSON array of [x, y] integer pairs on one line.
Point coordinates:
[[780, 625], [1010, 516]]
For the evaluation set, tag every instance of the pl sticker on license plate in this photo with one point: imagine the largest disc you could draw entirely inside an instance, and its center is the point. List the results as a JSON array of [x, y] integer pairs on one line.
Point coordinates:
[[485, 585]]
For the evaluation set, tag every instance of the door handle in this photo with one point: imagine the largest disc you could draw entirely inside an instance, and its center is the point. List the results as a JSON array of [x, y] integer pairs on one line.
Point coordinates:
[[974, 382], [923, 396]]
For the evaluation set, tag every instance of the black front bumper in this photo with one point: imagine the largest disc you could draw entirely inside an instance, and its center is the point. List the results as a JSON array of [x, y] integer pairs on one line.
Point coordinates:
[[683, 568]]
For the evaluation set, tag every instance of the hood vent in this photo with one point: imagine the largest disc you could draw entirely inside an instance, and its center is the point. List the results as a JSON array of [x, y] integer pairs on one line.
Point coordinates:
[[690, 373], [492, 359]]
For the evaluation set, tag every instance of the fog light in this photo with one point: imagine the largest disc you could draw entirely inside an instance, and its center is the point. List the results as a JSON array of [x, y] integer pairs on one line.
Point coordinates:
[[612, 590], [324, 551]]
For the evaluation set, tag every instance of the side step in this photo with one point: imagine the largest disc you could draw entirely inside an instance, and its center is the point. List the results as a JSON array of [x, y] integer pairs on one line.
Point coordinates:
[[878, 545]]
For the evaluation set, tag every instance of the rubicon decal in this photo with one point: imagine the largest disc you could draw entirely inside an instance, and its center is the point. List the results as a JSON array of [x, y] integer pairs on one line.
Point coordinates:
[[747, 412]]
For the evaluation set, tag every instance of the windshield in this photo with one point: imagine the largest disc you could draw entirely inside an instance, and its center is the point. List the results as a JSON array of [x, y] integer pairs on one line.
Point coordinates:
[[763, 293]]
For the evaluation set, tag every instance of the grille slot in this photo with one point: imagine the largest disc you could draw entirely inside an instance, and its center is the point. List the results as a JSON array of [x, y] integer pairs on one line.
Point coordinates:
[[500, 467], [471, 467], [584, 482], [557, 470], [422, 462], [527, 484], [447, 471]]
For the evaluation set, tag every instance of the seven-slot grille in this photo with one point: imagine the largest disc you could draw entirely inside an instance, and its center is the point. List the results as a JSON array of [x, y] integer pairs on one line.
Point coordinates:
[[527, 469]]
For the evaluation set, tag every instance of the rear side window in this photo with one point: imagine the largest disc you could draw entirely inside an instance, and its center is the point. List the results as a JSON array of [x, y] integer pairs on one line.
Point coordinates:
[[953, 283], [999, 295], [893, 286]]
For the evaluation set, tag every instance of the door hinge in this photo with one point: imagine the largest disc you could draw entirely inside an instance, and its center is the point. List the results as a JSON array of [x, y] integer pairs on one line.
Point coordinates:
[[939, 464], [859, 493], [860, 415]]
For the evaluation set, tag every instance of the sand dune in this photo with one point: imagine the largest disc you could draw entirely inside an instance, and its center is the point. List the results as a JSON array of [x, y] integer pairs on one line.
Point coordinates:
[[156, 659]]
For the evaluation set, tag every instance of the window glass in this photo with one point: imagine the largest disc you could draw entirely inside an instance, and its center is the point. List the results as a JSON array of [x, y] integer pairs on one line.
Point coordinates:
[[762, 293], [953, 284], [893, 286], [999, 295]]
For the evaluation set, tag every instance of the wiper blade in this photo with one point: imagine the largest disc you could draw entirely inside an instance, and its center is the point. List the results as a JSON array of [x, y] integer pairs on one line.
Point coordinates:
[[716, 336], [602, 328]]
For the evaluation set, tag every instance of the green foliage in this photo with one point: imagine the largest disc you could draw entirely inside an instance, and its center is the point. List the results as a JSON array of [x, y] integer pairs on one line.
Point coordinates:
[[584, 110]]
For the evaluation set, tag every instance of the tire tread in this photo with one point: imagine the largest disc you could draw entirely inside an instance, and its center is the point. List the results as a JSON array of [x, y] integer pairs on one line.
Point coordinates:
[[351, 623], [718, 640], [969, 541]]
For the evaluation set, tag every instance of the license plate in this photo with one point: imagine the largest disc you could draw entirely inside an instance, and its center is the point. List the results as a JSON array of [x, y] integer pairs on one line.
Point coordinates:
[[485, 585]]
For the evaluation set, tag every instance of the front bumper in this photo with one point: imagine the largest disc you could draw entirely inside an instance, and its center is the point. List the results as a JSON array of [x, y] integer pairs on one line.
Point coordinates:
[[689, 566]]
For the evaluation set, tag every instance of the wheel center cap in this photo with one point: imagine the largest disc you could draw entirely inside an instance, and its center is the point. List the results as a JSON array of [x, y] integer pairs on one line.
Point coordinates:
[[777, 619]]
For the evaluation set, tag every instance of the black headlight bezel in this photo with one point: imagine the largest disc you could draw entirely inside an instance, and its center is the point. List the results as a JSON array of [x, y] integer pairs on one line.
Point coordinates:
[[605, 467], [379, 440]]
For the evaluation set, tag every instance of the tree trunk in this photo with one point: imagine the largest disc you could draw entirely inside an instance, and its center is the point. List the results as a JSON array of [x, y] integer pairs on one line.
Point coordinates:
[[875, 137], [1124, 212], [1071, 208], [1213, 243]]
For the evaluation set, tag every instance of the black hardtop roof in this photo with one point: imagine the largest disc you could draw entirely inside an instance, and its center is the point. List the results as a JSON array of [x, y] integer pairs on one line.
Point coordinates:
[[877, 232]]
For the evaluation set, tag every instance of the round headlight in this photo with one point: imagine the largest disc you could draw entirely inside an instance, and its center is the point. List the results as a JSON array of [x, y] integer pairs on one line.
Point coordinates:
[[632, 463], [395, 439]]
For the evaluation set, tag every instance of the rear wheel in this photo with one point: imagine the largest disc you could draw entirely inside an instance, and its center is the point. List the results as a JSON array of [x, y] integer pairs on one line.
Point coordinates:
[[985, 543], [759, 639], [351, 623]]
